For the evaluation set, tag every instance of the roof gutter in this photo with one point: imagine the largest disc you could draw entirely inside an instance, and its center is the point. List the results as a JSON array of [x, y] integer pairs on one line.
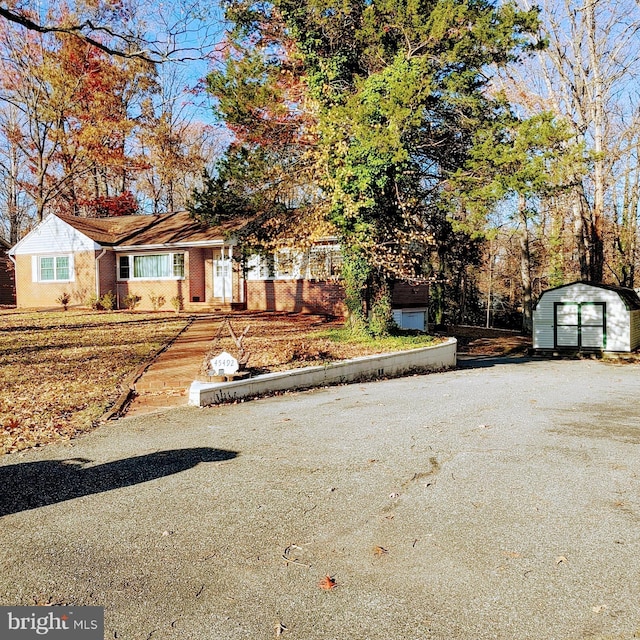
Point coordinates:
[[171, 245]]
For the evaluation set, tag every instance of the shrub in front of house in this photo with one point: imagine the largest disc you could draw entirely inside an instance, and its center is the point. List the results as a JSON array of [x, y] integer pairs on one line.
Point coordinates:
[[64, 299], [157, 301], [108, 301], [131, 301]]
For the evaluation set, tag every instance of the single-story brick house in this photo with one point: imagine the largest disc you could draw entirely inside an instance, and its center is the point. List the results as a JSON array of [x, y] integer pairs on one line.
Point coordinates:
[[7, 280], [173, 255]]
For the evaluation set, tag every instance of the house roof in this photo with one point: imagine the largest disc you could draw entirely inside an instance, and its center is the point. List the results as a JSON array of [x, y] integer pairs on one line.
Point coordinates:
[[629, 296], [144, 230]]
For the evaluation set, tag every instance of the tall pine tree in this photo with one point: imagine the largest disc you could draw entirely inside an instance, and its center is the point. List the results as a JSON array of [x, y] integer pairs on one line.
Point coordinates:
[[357, 113]]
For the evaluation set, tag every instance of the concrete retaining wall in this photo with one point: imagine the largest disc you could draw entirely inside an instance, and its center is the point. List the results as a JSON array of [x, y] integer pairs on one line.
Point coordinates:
[[441, 356]]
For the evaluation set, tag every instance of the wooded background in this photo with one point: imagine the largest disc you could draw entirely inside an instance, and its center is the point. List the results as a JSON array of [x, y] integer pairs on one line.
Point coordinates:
[[490, 149]]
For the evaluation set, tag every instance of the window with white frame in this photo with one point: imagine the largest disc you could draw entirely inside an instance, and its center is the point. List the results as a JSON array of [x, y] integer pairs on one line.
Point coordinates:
[[54, 268], [325, 262], [320, 262], [290, 264], [259, 267], [151, 266]]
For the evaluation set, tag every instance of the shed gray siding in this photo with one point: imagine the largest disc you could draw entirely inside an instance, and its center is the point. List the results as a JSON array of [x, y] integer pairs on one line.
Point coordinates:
[[622, 330]]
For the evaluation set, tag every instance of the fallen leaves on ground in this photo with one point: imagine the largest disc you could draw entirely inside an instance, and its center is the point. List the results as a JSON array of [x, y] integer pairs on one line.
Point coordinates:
[[59, 372], [327, 583], [282, 341]]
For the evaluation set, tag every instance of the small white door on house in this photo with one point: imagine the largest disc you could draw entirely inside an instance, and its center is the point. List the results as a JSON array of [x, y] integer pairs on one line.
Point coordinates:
[[222, 278]]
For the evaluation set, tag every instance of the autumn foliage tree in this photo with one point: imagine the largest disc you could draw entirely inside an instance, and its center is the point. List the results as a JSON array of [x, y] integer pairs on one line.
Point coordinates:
[[85, 131], [74, 113], [356, 114]]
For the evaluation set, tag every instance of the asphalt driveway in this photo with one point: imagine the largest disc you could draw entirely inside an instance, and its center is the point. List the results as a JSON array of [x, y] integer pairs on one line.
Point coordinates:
[[501, 500]]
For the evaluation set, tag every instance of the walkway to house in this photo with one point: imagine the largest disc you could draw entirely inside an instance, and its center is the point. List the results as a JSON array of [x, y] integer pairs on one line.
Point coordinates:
[[165, 384]]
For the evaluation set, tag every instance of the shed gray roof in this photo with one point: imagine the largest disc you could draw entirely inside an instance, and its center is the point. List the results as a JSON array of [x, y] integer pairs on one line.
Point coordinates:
[[628, 296]]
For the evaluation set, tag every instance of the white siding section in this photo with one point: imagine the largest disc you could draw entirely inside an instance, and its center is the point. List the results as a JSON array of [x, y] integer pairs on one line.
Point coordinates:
[[617, 315], [53, 236], [410, 318]]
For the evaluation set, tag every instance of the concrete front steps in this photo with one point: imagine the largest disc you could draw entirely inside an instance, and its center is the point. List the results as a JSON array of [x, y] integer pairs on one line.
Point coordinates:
[[439, 357], [212, 307]]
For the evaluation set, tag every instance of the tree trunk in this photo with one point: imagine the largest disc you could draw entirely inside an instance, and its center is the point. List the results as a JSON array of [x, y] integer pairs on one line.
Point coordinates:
[[580, 232], [597, 112], [525, 267]]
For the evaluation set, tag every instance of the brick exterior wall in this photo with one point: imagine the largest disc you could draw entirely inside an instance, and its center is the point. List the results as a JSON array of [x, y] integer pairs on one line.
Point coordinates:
[[193, 285], [197, 289], [408, 295], [107, 272], [166, 289], [296, 296], [7, 279], [198, 269], [45, 294]]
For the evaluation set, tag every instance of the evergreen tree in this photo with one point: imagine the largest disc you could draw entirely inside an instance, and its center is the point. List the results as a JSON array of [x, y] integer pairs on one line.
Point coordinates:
[[357, 113], [521, 160]]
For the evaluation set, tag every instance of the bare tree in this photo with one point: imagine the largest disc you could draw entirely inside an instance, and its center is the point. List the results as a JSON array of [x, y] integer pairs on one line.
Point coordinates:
[[588, 75], [184, 29], [173, 144], [14, 206]]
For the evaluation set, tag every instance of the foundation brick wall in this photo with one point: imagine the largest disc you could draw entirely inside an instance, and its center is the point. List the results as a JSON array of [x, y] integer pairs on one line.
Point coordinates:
[[146, 288], [296, 296]]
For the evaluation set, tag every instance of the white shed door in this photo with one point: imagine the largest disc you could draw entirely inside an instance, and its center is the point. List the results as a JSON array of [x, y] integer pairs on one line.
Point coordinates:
[[580, 325], [592, 325], [567, 315]]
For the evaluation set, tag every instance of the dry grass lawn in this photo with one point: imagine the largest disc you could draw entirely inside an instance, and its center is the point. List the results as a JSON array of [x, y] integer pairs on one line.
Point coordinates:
[[59, 372], [280, 341]]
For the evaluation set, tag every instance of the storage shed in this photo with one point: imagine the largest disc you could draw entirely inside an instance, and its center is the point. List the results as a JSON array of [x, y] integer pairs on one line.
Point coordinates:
[[583, 316]]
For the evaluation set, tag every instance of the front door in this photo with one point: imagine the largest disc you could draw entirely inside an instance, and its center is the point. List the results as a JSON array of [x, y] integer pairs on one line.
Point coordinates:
[[580, 325], [222, 278]]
